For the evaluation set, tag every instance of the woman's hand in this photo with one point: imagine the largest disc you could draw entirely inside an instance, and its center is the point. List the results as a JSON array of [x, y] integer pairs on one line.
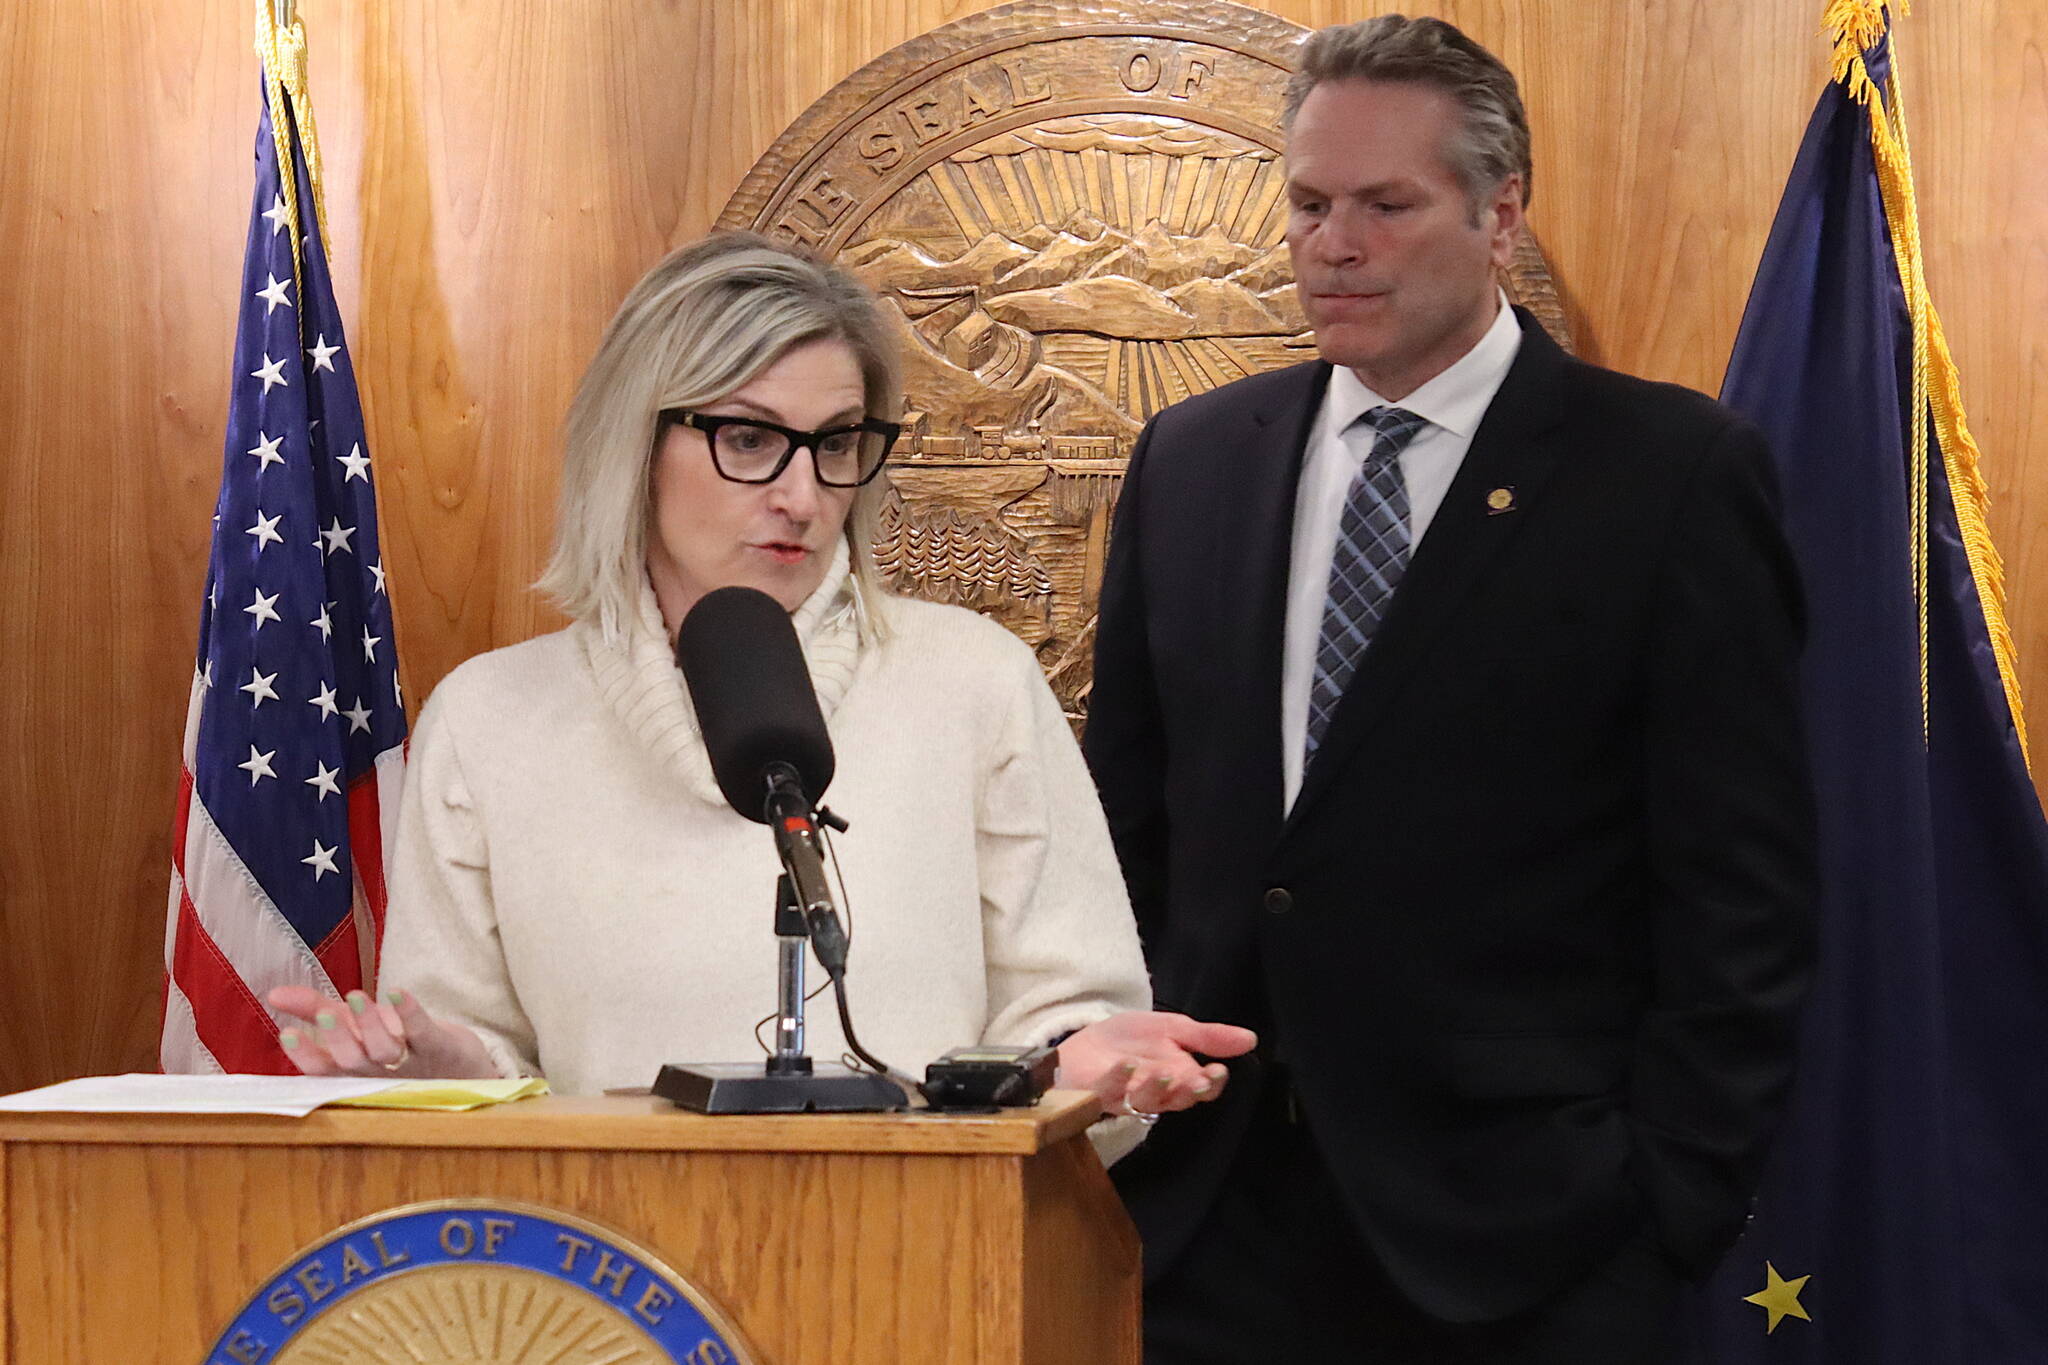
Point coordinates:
[[1142, 1062], [362, 1037]]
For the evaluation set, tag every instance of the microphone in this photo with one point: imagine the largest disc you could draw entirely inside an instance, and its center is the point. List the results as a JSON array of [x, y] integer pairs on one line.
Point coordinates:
[[755, 704], [765, 737], [769, 750]]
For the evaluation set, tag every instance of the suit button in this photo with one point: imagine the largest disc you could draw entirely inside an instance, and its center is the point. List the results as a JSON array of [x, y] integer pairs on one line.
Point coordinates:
[[1278, 901]]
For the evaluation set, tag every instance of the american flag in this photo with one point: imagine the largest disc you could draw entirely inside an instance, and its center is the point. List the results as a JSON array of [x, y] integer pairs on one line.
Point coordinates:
[[295, 732]]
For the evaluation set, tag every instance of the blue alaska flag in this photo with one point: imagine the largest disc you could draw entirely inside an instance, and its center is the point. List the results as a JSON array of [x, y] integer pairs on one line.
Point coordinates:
[[1904, 1215]]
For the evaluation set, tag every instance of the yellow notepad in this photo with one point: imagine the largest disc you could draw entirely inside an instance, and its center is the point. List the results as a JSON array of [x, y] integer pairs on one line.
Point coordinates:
[[446, 1095]]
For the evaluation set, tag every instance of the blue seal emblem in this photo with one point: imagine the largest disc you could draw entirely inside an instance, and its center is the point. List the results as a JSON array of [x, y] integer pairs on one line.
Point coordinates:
[[478, 1281]]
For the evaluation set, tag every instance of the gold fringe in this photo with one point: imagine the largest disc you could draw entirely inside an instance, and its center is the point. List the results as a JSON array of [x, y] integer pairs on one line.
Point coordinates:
[[1852, 26], [1937, 386]]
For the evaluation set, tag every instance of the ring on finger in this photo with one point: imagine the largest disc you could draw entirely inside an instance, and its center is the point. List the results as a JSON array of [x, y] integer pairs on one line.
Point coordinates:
[[404, 1053], [1132, 1111]]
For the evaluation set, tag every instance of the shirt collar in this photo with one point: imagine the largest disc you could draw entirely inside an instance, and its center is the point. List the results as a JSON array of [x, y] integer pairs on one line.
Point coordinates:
[[1455, 400]]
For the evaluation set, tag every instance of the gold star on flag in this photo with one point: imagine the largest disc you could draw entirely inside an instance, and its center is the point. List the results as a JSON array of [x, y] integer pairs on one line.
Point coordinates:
[[1779, 1297]]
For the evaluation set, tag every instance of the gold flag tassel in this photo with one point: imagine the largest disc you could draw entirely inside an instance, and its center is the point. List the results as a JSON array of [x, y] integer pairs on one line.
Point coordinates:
[[282, 47], [1854, 25]]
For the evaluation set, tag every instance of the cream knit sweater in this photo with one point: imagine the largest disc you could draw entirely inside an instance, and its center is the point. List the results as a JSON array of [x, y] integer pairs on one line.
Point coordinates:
[[569, 883]]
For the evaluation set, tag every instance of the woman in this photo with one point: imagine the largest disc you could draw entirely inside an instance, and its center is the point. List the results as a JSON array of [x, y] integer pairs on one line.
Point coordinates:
[[572, 897]]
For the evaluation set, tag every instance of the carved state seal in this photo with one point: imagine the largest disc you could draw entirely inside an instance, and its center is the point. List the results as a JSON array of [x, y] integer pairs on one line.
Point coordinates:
[[1075, 213], [464, 1282]]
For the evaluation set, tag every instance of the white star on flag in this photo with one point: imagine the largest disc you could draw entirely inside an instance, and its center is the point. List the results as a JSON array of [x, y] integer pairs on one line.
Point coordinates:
[[258, 767], [265, 450], [325, 701], [359, 717], [278, 215], [322, 355], [322, 861], [259, 688], [265, 530], [272, 295], [263, 608], [377, 572], [324, 781], [208, 675], [336, 536], [356, 462], [320, 622], [370, 643], [272, 373]]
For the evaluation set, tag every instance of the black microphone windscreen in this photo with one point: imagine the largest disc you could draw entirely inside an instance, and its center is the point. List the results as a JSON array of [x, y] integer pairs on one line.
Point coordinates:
[[755, 703]]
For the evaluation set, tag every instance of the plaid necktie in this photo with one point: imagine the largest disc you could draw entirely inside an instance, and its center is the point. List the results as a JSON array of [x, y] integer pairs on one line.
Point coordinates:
[[1366, 566]]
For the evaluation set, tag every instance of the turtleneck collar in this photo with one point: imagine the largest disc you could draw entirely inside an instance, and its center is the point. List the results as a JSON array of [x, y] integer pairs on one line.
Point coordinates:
[[637, 677]]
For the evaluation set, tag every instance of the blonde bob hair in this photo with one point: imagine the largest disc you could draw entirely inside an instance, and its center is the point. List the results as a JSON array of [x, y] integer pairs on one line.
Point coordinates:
[[702, 323]]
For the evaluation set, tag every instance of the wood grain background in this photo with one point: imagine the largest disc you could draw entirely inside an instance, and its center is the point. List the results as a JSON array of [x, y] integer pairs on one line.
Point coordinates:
[[500, 173]]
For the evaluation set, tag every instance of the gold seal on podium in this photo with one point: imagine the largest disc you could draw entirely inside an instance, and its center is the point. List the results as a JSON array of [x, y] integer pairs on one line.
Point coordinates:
[[477, 1282]]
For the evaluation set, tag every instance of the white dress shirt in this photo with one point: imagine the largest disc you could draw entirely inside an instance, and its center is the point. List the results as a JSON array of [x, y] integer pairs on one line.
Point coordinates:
[[1452, 405]]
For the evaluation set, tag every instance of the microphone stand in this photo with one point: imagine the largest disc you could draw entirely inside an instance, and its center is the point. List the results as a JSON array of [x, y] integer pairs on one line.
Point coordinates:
[[789, 1082], [790, 938]]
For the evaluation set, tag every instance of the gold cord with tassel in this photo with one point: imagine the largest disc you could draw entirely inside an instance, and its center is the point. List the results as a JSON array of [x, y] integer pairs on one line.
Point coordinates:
[[283, 51], [1854, 25]]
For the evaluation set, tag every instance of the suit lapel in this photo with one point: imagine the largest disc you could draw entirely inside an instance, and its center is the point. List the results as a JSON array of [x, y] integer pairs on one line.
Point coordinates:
[[1263, 494], [1516, 447]]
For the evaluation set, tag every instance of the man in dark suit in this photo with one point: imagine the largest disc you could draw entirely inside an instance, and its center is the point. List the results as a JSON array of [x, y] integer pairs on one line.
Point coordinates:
[[1445, 717]]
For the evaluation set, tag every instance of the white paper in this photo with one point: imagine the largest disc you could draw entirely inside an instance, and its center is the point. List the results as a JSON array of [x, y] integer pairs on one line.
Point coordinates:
[[289, 1096]]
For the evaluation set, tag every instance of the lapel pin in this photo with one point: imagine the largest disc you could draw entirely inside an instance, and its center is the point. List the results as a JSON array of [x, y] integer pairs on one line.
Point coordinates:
[[1500, 500]]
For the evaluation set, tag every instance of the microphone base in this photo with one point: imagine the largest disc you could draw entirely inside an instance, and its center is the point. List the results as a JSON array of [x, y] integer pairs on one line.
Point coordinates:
[[749, 1088]]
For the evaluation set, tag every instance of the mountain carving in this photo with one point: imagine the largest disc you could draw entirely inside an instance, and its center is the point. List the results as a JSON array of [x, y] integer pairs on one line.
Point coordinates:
[[1125, 308]]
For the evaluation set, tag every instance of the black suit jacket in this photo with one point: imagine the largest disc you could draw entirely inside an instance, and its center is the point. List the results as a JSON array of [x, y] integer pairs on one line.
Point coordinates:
[[1533, 936]]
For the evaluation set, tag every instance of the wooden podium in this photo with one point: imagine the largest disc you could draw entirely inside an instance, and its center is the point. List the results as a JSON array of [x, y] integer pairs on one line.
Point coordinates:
[[825, 1240]]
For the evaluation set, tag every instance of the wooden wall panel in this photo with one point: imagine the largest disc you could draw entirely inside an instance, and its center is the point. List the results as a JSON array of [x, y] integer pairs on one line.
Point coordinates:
[[124, 154], [499, 174], [1977, 102]]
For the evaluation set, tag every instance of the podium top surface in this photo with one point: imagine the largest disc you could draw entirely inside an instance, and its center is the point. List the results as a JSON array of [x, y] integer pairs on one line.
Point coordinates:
[[589, 1122]]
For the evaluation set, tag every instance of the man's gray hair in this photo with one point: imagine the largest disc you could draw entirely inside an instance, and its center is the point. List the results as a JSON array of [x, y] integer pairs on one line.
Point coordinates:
[[699, 325], [1493, 143]]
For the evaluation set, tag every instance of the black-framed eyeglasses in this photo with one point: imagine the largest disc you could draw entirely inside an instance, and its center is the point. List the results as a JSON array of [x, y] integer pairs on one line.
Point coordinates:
[[749, 450]]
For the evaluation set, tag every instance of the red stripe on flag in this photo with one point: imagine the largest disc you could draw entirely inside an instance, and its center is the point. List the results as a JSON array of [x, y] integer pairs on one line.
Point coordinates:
[[229, 1019], [366, 847], [179, 824], [341, 958]]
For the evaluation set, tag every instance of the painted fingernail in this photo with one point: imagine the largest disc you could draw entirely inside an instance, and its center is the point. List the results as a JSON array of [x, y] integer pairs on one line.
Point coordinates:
[[289, 1038], [395, 997], [324, 1019], [1128, 1068], [1202, 1089], [358, 1002]]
